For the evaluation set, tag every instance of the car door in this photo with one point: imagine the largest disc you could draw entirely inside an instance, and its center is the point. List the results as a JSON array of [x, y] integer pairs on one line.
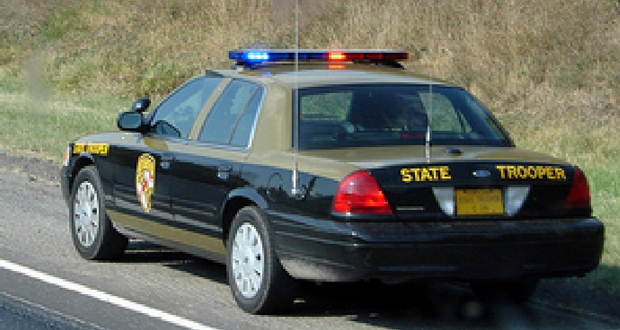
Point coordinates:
[[208, 169], [142, 180]]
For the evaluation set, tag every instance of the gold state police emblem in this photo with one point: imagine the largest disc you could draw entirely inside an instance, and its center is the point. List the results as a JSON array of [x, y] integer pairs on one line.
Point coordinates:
[[145, 180]]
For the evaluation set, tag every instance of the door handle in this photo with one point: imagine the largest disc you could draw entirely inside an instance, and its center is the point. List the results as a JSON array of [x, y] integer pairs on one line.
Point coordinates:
[[223, 171]]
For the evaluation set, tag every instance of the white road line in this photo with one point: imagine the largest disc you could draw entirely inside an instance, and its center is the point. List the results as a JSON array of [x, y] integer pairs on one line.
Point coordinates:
[[54, 315], [103, 296]]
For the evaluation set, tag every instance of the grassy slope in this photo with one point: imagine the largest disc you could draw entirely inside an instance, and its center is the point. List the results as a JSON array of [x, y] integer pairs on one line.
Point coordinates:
[[548, 70]]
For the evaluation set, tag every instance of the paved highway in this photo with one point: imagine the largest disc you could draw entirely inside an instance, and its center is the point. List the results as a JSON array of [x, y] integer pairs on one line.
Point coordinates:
[[44, 284]]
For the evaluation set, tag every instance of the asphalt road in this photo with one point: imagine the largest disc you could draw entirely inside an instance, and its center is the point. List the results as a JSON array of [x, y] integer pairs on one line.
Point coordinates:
[[44, 284]]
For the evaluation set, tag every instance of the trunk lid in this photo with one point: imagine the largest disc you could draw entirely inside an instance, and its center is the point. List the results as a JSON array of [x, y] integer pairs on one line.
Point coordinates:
[[467, 182]]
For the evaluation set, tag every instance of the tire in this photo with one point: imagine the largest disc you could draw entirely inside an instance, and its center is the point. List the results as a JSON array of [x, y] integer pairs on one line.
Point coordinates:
[[93, 235], [257, 280], [508, 291]]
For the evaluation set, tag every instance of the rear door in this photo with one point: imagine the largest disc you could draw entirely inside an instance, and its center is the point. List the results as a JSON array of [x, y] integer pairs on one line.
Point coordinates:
[[206, 170]]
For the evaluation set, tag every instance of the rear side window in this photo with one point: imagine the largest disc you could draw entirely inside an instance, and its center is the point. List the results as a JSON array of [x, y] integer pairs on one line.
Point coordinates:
[[385, 115], [245, 125], [232, 118]]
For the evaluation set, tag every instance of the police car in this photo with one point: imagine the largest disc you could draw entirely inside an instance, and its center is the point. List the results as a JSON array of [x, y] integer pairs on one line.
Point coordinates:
[[330, 166]]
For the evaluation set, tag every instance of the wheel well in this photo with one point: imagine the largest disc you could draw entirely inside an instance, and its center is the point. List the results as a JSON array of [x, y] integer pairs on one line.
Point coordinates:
[[80, 163], [232, 207]]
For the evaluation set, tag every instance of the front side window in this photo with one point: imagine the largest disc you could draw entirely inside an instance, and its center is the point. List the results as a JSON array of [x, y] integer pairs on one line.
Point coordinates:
[[175, 116], [385, 115], [232, 118]]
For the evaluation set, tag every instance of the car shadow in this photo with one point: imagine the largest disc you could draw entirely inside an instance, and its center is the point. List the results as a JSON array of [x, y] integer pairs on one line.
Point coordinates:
[[145, 252], [437, 305]]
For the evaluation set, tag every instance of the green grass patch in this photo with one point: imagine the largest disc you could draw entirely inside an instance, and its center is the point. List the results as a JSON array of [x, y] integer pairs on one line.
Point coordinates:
[[63, 21], [46, 124]]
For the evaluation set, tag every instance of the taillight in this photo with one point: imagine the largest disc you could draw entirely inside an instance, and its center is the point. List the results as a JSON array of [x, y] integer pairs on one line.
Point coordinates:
[[359, 193], [579, 195]]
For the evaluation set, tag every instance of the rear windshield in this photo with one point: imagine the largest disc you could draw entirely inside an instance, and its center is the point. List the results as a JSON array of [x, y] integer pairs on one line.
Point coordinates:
[[387, 115]]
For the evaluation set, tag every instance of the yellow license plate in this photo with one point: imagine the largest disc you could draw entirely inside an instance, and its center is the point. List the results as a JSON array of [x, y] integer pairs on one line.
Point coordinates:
[[479, 202]]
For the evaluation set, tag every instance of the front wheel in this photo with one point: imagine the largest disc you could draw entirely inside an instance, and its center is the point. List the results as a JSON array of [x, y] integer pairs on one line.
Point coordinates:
[[257, 280], [93, 235]]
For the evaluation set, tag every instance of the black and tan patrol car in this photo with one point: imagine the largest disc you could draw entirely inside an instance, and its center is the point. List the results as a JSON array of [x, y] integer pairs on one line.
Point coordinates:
[[330, 167]]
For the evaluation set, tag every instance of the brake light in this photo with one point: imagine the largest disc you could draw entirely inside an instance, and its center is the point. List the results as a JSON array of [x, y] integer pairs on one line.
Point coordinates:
[[359, 193], [579, 195]]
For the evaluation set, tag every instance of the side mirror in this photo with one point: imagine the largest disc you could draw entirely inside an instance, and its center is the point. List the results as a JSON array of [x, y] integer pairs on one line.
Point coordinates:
[[129, 121], [140, 105]]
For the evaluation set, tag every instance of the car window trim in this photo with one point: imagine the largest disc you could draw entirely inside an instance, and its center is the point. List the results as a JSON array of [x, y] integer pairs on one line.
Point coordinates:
[[220, 146]]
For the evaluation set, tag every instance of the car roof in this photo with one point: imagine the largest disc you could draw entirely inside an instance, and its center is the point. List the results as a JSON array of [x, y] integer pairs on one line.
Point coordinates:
[[324, 74]]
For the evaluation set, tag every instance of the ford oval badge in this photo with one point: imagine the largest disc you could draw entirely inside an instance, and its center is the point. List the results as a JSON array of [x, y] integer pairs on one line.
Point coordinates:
[[482, 174]]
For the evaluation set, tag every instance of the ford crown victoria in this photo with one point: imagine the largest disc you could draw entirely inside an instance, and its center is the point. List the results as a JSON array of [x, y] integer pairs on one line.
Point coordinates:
[[330, 167]]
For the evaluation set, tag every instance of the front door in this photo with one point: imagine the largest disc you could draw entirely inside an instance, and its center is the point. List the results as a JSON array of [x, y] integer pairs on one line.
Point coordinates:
[[142, 179], [142, 183]]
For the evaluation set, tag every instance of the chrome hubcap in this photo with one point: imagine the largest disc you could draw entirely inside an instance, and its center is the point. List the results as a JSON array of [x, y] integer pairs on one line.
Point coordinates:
[[248, 262], [86, 214]]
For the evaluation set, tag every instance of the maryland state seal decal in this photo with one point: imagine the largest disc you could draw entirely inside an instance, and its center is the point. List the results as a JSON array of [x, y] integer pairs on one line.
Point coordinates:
[[145, 180]]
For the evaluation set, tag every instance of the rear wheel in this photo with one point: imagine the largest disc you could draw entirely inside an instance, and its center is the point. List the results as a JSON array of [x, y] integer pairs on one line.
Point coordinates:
[[257, 280], [505, 291], [93, 235]]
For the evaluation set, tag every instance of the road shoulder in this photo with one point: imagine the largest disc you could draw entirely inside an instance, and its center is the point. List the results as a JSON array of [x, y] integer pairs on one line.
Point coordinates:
[[36, 169]]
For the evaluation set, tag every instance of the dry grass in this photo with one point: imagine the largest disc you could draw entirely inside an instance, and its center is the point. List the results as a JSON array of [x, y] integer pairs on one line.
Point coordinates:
[[499, 49]]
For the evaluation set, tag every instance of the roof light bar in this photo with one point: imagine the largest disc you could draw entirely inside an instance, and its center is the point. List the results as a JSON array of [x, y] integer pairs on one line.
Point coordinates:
[[259, 56]]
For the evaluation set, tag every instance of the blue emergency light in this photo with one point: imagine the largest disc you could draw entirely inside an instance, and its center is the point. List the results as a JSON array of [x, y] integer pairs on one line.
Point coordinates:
[[253, 57]]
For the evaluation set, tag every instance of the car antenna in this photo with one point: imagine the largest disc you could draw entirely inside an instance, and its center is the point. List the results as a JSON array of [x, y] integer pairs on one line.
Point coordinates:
[[428, 138], [296, 190]]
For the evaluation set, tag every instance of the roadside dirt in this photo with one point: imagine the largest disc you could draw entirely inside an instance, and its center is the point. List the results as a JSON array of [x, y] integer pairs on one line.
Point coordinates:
[[36, 169]]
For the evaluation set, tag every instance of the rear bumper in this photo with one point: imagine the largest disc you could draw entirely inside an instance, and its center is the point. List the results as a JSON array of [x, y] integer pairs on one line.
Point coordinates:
[[475, 250]]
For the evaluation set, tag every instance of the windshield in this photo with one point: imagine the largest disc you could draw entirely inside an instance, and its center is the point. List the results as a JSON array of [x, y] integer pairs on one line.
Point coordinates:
[[387, 115]]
